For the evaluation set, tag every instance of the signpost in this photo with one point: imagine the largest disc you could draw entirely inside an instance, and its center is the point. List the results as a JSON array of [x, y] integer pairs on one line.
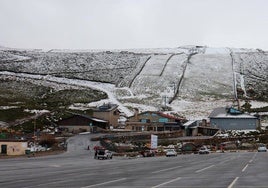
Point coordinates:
[[90, 125], [154, 140]]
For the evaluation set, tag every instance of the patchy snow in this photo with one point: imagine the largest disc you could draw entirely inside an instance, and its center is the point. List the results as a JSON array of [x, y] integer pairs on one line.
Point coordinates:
[[255, 104], [8, 107], [78, 106], [217, 51], [36, 111], [147, 79], [105, 87], [141, 107], [243, 84], [196, 110]]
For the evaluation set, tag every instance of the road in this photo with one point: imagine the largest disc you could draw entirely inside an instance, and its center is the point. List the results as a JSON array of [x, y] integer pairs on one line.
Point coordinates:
[[240, 169]]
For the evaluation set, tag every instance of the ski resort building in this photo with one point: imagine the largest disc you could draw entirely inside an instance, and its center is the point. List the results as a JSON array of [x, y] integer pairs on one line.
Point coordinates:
[[199, 128], [232, 119], [153, 121], [108, 112], [82, 123]]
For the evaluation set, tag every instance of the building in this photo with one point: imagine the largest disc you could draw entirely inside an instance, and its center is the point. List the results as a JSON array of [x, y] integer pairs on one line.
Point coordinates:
[[153, 121], [82, 123], [109, 113], [232, 119], [13, 147], [199, 128]]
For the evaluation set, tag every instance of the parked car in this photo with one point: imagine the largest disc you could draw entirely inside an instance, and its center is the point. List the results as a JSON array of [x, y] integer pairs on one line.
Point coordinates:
[[203, 150], [171, 152], [103, 154], [147, 153], [262, 148]]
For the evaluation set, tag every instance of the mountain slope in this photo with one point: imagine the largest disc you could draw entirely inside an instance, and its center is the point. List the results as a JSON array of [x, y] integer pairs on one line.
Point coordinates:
[[190, 80]]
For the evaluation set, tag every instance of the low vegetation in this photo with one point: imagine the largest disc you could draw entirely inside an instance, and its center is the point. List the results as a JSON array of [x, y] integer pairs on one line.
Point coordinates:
[[20, 99]]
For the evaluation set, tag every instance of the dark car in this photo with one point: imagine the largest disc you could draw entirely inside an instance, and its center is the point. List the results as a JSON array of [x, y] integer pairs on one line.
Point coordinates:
[[147, 153]]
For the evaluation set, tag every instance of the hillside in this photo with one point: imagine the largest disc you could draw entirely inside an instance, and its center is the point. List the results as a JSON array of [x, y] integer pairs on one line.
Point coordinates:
[[189, 80]]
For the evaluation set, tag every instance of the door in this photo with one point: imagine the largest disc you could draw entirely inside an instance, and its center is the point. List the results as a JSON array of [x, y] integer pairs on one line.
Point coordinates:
[[4, 149]]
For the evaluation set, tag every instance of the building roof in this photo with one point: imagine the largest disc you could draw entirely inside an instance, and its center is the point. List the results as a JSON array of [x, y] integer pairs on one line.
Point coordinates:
[[168, 116], [106, 107], [83, 116], [227, 113], [190, 122], [161, 114], [99, 120]]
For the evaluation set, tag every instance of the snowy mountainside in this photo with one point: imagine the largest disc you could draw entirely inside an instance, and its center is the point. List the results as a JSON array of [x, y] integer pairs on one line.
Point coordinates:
[[188, 80]]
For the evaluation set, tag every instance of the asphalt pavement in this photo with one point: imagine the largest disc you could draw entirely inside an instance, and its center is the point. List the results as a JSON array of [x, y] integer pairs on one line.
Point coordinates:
[[81, 170]]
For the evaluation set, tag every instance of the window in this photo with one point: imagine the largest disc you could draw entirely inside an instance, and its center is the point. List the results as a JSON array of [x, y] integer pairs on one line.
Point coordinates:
[[145, 120], [163, 120]]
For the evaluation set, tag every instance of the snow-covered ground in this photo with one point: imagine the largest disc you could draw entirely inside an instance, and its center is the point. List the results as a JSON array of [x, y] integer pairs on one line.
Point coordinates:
[[198, 78]]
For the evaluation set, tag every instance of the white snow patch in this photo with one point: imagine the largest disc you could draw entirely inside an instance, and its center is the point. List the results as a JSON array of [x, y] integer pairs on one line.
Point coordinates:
[[256, 104], [8, 107], [36, 111], [217, 51], [141, 107]]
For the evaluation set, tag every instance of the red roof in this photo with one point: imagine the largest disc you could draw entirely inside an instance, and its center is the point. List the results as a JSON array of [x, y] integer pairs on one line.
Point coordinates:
[[169, 116]]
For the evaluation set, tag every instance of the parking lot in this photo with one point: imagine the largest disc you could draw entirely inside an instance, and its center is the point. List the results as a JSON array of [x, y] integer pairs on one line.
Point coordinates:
[[78, 168]]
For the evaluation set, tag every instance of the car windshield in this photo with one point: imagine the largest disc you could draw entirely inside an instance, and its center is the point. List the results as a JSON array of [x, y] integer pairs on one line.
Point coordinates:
[[101, 152], [170, 150]]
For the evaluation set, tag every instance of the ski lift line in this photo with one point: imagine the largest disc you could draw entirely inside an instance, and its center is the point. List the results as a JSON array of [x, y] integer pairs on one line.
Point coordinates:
[[234, 75], [242, 66], [168, 61], [130, 84], [186, 62]]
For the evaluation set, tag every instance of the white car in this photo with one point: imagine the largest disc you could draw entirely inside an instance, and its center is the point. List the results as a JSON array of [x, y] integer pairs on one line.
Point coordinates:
[[203, 150], [171, 152], [262, 148], [103, 154]]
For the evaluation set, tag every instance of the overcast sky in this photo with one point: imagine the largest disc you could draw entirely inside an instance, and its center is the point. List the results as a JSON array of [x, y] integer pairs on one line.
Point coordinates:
[[123, 24]]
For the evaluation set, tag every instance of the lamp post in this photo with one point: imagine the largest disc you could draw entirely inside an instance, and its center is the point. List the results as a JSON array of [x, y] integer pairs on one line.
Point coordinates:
[[34, 134]]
